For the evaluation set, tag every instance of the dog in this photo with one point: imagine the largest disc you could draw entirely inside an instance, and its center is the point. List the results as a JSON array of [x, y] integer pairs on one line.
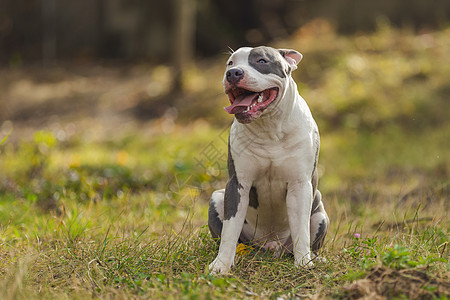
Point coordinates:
[[271, 198]]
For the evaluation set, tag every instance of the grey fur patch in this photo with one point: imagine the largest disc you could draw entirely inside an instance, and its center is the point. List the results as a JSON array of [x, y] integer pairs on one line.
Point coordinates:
[[273, 63], [232, 196], [214, 222], [316, 202], [253, 201], [320, 236], [315, 175], [314, 183], [317, 145]]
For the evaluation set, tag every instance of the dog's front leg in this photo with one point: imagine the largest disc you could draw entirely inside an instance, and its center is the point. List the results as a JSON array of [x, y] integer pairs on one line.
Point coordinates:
[[236, 204], [298, 202]]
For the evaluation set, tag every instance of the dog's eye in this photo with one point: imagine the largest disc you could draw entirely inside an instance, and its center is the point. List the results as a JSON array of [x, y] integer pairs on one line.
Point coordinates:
[[230, 63], [262, 61]]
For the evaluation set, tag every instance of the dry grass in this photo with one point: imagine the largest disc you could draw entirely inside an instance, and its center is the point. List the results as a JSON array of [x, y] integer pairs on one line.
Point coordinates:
[[99, 203]]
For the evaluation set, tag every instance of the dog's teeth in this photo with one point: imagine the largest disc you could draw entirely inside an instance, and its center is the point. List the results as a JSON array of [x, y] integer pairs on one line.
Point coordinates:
[[260, 98]]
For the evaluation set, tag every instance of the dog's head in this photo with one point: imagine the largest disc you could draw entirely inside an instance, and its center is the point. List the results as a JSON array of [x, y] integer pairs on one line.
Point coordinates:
[[255, 78]]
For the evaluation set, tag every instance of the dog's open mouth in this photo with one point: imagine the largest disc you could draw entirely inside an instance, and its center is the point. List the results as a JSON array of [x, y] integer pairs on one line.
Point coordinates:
[[248, 103]]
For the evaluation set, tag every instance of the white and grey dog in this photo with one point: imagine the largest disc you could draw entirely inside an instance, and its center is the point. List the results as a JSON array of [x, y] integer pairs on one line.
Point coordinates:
[[271, 198]]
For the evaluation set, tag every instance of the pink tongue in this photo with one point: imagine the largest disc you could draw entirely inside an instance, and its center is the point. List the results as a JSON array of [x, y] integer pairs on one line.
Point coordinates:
[[241, 101]]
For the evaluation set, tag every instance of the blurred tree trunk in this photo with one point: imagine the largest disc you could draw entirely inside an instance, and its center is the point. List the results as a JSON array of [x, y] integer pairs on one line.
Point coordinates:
[[183, 42], [48, 11], [100, 26]]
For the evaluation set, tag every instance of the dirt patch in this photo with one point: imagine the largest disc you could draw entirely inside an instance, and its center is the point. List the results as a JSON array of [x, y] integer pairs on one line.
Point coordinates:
[[385, 283]]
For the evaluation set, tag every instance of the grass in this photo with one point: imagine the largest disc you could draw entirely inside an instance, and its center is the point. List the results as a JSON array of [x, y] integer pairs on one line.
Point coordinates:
[[123, 216]]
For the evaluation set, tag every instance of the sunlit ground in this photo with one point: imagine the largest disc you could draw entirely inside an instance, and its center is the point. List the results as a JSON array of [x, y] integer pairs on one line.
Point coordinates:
[[97, 198]]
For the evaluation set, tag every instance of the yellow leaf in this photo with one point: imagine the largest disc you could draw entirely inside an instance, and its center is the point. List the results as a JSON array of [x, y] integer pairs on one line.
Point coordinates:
[[242, 249]]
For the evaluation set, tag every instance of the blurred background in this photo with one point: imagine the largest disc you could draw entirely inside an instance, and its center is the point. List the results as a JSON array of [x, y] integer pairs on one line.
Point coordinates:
[[46, 31], [112, 125], [60, 58], [141, 81]]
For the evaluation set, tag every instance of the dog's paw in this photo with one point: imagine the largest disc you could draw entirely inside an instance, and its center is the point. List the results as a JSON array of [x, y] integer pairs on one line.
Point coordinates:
[[304, 262], [218, 267]]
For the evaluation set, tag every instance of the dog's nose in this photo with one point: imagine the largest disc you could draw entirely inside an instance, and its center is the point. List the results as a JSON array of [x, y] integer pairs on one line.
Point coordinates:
[[235, 75]]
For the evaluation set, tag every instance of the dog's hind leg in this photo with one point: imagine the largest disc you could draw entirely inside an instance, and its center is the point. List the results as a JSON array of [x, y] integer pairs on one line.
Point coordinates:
[[319, 223], [215, 213]]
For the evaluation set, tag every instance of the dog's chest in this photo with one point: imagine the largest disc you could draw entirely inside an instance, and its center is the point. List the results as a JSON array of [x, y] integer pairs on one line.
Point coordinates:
[[269, 166], [267, 213], [270, 169], [270, 188], [270, 163]]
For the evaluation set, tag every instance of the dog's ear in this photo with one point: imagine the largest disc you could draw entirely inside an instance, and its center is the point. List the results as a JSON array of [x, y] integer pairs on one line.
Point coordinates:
[[291, 56]]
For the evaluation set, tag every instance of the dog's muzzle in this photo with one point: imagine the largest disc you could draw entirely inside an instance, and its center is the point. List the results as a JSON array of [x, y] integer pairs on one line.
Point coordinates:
[[248, 105]]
